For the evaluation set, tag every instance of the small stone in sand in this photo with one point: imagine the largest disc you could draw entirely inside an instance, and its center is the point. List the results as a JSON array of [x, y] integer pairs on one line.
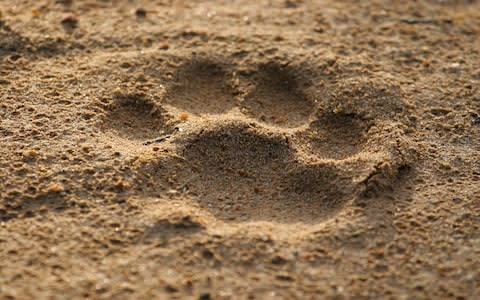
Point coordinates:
[[30, 153], [35, 12], [85, 148], [122, 184], [70, 21], [55, 188], [184, 116], [426, 63]]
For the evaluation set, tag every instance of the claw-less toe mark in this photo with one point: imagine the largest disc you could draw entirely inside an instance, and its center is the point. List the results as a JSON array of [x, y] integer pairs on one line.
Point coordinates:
[[134, 116], [277, 97], [334, 136], [201, 87]]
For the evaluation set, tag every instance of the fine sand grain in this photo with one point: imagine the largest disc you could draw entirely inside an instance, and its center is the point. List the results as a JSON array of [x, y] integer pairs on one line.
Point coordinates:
[[239, 149]]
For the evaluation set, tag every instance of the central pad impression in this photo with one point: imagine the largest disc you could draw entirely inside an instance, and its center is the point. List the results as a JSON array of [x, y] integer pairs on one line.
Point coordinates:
[[243, 174]]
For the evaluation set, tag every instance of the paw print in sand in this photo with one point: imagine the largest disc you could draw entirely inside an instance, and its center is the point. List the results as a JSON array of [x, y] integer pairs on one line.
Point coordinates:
[[265, 144]]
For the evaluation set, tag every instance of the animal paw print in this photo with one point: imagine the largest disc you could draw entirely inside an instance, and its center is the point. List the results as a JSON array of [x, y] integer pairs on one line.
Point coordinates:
[[264, 144]]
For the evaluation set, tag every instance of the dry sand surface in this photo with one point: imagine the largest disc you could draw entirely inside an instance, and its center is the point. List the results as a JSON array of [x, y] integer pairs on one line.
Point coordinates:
[[239, 149]]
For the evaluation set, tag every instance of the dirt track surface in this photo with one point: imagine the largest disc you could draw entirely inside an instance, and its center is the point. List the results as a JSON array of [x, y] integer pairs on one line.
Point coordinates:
[[239, 149]]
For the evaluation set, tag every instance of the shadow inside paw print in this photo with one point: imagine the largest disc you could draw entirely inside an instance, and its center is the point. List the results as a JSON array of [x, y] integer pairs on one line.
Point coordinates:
[[267, 152], [201, 86], [136, 117], [277, 98], [334, 136], [272, 94], [243, 173], [240, 173]]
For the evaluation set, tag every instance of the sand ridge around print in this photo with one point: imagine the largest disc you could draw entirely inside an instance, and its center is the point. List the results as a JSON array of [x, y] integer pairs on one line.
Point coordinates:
[[239, 149], [239, 164]]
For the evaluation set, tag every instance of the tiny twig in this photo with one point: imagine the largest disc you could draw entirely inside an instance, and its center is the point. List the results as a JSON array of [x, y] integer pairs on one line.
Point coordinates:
[[424, 21], [157, 140]]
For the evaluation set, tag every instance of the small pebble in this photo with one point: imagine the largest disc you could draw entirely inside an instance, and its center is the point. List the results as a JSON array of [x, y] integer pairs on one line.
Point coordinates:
[[35, 12], [30, 153], [164, 46], [122, 184], [55, 188], [454, 67], [70, 21], [184, 116], [85, 148]]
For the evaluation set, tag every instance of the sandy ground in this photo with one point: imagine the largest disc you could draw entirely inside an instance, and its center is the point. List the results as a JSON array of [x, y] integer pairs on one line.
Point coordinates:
[[239, 149]]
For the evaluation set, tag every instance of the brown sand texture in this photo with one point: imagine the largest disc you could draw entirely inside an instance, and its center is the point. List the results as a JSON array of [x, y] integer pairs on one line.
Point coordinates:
[[236, 149]]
